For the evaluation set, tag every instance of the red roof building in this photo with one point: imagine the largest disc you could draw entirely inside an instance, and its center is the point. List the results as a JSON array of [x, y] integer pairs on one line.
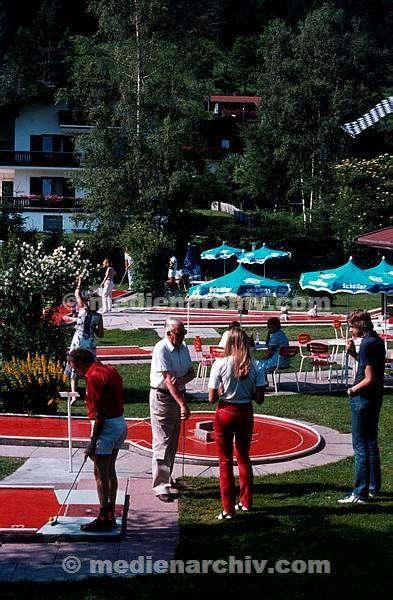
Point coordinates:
[[382, 238]]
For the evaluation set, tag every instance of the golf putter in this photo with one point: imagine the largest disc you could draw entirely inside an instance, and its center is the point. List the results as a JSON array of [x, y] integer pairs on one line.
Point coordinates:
[[54, 520], [183, 451]]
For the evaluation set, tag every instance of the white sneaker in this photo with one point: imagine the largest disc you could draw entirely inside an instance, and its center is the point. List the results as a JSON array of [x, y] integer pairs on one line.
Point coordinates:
[[351, 499]]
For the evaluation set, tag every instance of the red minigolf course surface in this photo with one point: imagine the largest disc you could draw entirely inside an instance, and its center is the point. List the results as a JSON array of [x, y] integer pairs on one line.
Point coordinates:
[[26, 508], [61, 313], [119, 352], [205, 317], [274, 439]]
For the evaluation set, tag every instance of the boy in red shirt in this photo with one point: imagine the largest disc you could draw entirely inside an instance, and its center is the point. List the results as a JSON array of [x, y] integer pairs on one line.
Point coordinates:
[[105, 407]]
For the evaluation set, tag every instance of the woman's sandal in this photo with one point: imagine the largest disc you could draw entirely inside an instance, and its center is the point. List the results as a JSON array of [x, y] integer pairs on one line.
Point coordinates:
[[222, 516], [241, 507]]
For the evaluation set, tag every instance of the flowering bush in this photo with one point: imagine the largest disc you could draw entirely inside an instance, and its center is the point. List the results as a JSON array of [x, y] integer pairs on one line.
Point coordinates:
[[31, 385], [54, 198], [32, 285], [51, 276], [365, 198]]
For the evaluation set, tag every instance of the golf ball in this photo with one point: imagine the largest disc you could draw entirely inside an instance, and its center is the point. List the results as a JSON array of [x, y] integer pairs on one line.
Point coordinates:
[[88, 510], [51, 519]]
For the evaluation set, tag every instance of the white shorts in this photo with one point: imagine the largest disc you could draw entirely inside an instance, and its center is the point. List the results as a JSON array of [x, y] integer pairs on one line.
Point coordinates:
[[112, 436]]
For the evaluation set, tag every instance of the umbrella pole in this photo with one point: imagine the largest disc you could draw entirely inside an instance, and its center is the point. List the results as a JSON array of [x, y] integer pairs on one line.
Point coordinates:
[[188, 316], [385, 309], [224, 266]]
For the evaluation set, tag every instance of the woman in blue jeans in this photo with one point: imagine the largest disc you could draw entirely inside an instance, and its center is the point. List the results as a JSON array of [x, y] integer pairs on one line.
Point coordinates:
[[366, 400]]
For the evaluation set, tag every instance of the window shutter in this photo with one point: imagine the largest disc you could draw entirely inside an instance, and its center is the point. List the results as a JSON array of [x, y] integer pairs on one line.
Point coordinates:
[[36, 143]]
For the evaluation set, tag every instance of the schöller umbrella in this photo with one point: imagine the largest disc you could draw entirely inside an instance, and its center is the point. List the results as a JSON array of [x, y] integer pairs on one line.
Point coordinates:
[[240, 283], [222, 252], [261, 255]]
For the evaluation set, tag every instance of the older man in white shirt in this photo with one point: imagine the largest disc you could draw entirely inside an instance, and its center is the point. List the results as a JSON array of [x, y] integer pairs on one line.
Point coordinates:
[[171, 369]]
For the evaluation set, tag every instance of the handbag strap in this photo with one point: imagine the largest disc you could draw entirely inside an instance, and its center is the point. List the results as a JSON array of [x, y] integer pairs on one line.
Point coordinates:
[[87, 324]]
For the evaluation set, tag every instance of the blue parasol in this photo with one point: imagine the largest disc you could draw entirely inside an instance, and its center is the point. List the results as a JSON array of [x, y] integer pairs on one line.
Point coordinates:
[[190, 267], [240, 283], [261, 255], [381, 277], [222, 252], [348, 278]]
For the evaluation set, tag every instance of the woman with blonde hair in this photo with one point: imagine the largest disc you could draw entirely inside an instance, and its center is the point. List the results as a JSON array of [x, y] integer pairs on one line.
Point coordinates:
[[235, 381]]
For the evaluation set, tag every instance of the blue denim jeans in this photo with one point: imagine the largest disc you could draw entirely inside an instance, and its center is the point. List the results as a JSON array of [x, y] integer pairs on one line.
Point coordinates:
[[365, 416]]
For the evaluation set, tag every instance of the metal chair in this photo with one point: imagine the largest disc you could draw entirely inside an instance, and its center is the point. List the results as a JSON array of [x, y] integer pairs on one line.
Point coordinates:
[[204, 361], [216, 352], [284, 352], [338, 330], [303, 339], [321, 358]]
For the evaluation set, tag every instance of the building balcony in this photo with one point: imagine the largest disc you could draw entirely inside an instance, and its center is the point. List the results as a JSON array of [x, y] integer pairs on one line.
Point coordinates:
[[73, 118], [22, 158], [42, 202]]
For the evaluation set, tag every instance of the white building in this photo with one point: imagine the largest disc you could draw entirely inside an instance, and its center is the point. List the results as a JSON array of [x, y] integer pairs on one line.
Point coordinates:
[[37, 140]]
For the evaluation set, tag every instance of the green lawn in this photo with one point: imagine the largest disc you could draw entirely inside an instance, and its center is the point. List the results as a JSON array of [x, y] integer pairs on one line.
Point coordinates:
[[9, 465], [120, 337]]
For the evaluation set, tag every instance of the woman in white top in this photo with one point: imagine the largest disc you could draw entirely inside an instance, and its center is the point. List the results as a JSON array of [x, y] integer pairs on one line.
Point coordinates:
[[235, 380], [88, 324], [107, 285]]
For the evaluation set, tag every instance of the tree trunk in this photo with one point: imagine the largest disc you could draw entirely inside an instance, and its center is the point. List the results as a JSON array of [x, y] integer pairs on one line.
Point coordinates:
[[303, 198], [312, 187], [138, 94]]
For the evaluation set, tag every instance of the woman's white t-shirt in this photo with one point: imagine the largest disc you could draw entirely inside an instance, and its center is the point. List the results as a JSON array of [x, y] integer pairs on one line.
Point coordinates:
[[238, 391]]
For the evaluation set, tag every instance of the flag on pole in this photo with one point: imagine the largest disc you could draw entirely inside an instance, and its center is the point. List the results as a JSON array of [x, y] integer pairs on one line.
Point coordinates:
[[372, 116]]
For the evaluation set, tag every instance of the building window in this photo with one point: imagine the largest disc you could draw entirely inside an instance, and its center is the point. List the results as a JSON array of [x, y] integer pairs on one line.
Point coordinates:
[[225, 144], [51, 186], [51, 143], [53, 223]]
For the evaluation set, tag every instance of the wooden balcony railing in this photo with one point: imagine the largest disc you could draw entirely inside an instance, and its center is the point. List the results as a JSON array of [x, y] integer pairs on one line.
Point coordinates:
[[42, 202], [22, 158]]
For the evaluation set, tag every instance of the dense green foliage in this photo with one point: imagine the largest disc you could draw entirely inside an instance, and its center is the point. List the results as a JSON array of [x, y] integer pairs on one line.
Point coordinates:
[[141, 70]]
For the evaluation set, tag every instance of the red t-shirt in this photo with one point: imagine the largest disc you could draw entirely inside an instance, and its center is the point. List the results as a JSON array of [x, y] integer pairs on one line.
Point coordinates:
[[104, 391]]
